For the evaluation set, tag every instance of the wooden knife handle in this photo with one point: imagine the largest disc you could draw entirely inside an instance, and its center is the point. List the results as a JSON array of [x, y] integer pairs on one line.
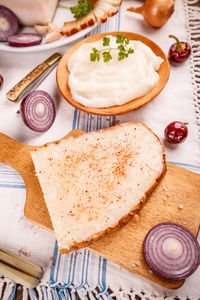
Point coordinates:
[[19, 269], [14, 93], [31, 80]]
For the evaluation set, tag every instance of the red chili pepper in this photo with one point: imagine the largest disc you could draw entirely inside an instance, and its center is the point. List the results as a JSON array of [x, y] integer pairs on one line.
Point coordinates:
[[176, 132], [179, 51]]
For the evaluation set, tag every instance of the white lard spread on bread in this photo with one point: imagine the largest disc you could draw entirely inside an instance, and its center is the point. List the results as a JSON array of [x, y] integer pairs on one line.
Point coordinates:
[[93, 181], [105, 84]]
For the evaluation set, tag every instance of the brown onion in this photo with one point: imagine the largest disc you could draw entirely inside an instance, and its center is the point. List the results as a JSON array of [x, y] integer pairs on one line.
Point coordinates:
[[155, 12]]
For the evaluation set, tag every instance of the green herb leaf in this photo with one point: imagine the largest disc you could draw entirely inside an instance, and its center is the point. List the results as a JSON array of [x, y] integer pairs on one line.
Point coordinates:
[[106, 41], [95, 50], [95, 55], [130, 51], [121, 55], [92, 57], [81, 9], [106, 56], [124, 51], [127, 41], [121, 47], [120, 39]]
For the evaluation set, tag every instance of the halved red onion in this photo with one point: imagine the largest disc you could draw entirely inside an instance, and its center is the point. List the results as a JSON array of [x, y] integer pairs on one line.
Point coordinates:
[[8, 23], [38, 111], [171, 251], [24, 40]]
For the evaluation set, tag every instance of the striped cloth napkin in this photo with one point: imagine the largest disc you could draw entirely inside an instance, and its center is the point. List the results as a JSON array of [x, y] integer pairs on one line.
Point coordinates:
[[83, 274]]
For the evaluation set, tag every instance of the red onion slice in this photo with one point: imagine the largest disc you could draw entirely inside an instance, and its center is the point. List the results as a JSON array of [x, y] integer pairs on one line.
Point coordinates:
[[24, 40], [171, 251], [38, 111], [8, 23]]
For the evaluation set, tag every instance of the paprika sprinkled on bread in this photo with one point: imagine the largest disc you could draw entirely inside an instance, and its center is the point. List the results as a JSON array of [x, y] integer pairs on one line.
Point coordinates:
[[95, 182]]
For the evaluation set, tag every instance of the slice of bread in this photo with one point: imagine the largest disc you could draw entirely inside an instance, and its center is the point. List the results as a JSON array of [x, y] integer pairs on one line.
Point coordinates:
[[94, 183]]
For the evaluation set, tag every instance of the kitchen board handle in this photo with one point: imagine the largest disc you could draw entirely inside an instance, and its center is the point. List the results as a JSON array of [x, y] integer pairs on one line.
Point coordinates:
[[12, 152]]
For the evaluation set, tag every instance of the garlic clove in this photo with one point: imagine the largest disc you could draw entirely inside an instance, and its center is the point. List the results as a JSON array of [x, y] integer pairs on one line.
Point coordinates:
[[53, 36], [53, 28], [41, 29]]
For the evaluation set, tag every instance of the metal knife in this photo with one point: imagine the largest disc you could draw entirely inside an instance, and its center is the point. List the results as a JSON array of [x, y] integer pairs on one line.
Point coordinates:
[[33, 79]]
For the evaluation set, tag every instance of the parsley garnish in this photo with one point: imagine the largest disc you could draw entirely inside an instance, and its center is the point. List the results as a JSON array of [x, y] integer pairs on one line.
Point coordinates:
[[123, 50], [81, 9], [95, 55]]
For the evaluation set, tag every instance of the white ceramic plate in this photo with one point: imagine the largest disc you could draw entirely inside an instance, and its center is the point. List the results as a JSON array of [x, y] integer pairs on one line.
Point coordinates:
[[61, 16]]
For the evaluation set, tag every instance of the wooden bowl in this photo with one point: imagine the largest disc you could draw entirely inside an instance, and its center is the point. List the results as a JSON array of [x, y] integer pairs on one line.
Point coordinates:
[[62, 76]]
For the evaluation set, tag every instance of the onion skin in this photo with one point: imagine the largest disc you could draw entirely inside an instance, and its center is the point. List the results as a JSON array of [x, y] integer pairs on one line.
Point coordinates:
[[155, 12], [171, 251]]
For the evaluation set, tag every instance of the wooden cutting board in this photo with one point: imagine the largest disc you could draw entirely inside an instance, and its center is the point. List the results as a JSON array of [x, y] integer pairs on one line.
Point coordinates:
[[124, 247]]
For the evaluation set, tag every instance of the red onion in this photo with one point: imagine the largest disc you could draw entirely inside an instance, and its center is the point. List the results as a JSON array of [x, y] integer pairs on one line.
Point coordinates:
[[24, 40], [8, 23], [171, 251], [1, 80], [38, 111]]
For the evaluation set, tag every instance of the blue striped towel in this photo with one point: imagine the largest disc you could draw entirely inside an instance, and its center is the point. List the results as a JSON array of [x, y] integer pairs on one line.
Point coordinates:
[[82, 274]]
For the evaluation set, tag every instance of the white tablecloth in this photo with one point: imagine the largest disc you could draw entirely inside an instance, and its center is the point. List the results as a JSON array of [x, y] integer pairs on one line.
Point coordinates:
[[84, 272]]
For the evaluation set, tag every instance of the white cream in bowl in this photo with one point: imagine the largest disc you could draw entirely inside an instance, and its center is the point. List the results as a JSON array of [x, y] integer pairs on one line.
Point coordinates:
[[106, 84]]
